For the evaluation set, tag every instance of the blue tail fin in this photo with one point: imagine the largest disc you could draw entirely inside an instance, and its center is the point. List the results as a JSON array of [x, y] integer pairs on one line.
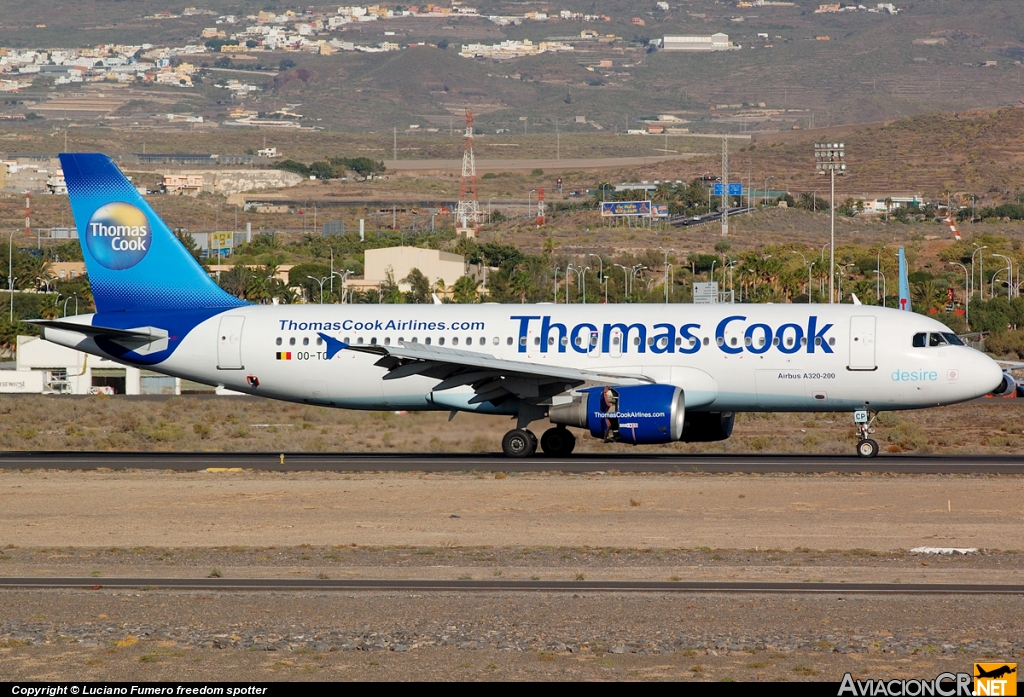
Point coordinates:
[[904, 283], [133, 259]]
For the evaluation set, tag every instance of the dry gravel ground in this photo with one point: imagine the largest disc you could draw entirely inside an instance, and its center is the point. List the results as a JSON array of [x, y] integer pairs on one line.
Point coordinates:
[[250, 424], [150, 635], [628, 526], [684, 526]]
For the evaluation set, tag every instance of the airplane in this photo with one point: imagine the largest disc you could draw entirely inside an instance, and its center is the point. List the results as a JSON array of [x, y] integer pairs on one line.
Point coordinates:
[[638, 374]]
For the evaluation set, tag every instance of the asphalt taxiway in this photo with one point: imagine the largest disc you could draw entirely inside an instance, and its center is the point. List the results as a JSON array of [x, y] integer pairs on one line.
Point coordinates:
[[285, 584], [448, 462]]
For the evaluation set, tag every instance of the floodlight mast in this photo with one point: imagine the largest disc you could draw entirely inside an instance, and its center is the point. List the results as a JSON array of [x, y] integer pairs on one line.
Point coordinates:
[[831, 158]]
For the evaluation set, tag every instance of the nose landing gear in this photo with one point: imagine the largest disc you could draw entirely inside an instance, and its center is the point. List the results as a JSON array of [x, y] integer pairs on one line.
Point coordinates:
[[866, 447]]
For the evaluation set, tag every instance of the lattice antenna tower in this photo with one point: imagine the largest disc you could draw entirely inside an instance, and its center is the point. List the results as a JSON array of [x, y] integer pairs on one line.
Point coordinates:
[[467, 213]]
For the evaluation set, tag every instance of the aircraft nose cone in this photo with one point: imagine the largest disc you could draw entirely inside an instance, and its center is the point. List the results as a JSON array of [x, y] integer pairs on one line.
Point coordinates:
[[988, 374]]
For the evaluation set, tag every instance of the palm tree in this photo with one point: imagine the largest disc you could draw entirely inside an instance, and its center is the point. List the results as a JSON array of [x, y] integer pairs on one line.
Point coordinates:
[[466, 290]]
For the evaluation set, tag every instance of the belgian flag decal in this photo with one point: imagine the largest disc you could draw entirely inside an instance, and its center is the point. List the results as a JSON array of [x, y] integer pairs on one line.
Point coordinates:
[[284, 355]]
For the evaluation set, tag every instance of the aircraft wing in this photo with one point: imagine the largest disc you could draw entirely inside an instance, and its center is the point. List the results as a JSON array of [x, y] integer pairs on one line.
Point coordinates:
[[493, 379]]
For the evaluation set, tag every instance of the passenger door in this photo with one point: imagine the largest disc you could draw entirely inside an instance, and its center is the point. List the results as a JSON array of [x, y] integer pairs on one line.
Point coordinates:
[[862, 344], [229, 343]]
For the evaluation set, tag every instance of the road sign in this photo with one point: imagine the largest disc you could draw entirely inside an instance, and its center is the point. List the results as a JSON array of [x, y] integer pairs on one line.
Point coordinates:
[[734, 189], [705, 293]]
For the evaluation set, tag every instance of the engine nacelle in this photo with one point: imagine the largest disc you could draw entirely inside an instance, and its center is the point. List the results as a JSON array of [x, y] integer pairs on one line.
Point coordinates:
[[707, 426], [640, 414], [1007, 387]]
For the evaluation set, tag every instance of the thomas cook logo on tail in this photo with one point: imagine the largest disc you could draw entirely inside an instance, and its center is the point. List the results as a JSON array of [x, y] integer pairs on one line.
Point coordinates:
[[118, 235]]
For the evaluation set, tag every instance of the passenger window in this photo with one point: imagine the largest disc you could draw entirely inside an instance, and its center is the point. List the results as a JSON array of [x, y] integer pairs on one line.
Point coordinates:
[[831, 341], [415, 340], [565, 341], [359, 341], [789, 341], [775, 341], [509, 341], [733, 341], [536, 341], [469, 341], [440, 341], [427, 341], [817, 341], [693, 342], [455, 341], [387, 341], [953, 339], [718, 340], [593, 340], [679, 341], [579, 340], [706, 341], [291, 342], [278, 342], [636, 341], [496, 341], [400, 339], [551, 341], [305, 341], [919, 340], [319, 341], [346, 340], [615, 341], [373, 341], [935, 339], [746, 341], [803, 341]]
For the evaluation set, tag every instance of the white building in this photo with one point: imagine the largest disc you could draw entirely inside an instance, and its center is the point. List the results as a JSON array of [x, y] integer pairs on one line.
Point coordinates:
[[715, 42], [399, 261]]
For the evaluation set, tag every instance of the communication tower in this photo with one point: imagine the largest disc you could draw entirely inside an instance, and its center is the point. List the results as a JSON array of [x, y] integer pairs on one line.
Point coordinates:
[[467, 212]]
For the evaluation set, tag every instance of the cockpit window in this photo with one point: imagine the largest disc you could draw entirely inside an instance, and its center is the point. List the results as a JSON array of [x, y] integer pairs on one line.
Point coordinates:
[[936, 339], [920, 340], [953, 339]]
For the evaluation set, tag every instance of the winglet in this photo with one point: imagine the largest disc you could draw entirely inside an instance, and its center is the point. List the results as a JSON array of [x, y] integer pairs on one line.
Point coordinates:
[[333, 345]]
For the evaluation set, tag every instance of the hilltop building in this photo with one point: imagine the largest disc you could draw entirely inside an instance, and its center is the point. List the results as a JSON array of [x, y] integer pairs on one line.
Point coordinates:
[[715, 42]]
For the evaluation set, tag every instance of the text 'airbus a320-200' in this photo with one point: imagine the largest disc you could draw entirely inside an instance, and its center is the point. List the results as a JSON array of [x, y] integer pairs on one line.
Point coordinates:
[[640, 374]]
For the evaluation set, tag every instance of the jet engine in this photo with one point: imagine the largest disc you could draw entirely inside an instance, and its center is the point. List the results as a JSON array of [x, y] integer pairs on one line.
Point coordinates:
[[640, 414]]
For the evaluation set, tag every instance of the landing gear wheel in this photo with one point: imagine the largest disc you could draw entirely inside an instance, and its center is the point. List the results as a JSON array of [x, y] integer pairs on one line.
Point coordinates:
[[867, 448], [519, 443], [558, 442]]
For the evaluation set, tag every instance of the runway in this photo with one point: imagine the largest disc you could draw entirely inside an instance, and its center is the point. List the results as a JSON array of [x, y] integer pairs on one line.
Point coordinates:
[[580, 464], [282, 584]]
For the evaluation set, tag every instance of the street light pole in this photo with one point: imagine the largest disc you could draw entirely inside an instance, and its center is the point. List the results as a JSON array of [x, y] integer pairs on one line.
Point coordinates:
[[882, 276], [1009, 282], [831, 158], [764, 192], [10, 271], [982, 269]]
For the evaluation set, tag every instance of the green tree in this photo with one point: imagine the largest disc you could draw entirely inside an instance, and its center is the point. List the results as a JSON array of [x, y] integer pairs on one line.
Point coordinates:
[[419, 291], [466, 290]]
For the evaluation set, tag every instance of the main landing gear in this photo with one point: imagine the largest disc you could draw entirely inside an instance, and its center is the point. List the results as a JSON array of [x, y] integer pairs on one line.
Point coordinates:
[[556, 442], [519, 442], [865, 446]]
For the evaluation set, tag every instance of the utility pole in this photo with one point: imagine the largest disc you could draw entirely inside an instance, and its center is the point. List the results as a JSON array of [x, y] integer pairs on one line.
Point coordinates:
[[725, 186]]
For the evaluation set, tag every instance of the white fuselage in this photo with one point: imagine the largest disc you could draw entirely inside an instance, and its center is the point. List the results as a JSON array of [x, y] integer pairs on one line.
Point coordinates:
[[725, 357]]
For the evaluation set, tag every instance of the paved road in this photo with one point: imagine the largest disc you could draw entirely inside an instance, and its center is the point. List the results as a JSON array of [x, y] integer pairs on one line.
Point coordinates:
[[508, 585], [446, 462], [548, 164]]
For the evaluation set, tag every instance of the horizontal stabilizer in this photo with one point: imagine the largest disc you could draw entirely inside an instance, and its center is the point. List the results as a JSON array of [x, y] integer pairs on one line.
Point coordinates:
[[145, 334]]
